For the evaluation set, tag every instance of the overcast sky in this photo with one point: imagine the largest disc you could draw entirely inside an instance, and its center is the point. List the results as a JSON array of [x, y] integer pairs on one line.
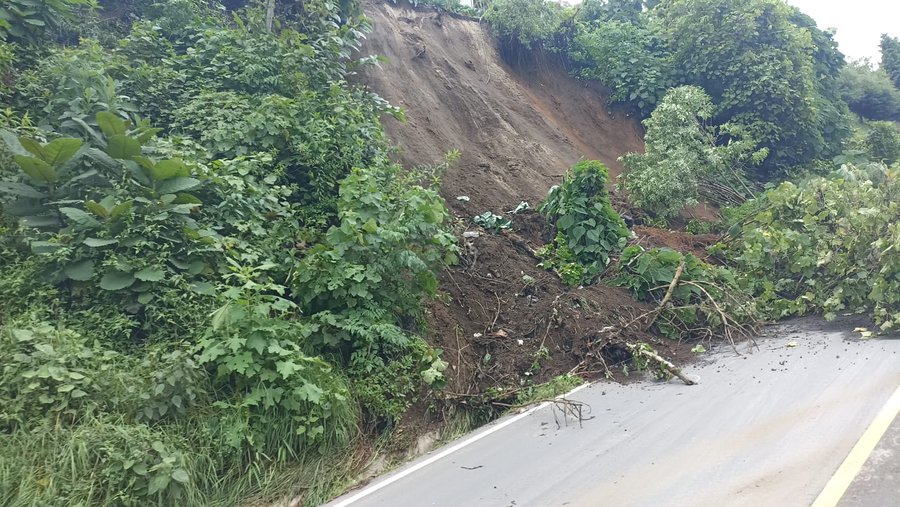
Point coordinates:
[[859, 23]]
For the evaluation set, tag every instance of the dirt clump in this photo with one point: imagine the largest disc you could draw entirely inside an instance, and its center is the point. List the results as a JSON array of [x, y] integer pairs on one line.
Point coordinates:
[[506, 323], [696, 244]]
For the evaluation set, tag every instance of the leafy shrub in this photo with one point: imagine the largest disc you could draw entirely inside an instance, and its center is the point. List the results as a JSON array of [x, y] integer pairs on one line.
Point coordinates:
[[626, 57], [69, 87], [825, 245], [524, 23], [588, 230], [364, 284], [111, 220], [706, 301], [684, 156], [260, 360], [883, 142]]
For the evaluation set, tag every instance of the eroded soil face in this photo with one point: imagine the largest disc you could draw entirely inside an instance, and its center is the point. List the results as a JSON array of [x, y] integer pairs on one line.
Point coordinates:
[[503, 322], [518, 129]]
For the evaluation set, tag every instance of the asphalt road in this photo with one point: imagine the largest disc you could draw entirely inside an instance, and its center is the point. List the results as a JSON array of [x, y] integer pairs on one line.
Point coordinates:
[[766, 428]]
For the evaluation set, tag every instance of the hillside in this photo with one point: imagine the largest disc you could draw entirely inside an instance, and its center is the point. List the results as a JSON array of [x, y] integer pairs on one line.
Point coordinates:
[[505, 321], [518, 130]]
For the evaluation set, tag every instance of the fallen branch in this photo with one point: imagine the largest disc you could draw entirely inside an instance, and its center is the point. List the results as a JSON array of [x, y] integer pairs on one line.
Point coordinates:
[[668, 296], [651, 354]]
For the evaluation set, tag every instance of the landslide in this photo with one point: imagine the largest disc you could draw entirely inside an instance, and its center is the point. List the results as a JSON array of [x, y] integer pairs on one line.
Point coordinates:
[[504, 323], [518, 129]]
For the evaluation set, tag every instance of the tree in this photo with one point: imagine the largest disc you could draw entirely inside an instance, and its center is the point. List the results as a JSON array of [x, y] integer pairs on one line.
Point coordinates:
[[684, 154], [869, 92], [890, 58], [761, 70], [607, 10], [524, 23]]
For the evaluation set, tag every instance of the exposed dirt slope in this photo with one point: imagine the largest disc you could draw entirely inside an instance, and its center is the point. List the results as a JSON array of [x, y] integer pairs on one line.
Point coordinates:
[[505, 322], [518, 130]]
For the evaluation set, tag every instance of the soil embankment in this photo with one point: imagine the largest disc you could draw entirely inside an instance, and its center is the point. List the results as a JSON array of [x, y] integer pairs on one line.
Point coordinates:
[[505, 322], [518, 130]]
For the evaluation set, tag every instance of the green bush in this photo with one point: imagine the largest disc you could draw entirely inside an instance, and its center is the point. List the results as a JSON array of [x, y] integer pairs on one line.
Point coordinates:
[[628, 58], [588, 229], [883, 142], [684, 157], [826, 245]]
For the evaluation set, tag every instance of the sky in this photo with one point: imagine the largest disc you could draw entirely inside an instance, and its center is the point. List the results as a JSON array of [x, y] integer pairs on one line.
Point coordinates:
[[859, 23]]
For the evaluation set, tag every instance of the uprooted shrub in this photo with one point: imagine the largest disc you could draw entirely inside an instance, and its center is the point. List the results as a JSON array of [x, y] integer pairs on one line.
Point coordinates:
[[588, 229], [695, 300], [828, 244]]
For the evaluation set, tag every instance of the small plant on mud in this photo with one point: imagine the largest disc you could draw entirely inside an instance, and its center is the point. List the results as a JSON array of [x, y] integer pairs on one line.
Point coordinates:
[[588, 229]]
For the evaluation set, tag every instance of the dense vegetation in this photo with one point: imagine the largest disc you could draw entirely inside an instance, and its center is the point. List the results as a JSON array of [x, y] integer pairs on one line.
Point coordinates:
[[212, 274], [204, 251], [738, 95]]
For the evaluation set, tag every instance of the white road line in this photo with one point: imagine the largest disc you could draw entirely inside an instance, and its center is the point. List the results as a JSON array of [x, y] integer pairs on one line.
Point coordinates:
[[443, 454], [853, 463]]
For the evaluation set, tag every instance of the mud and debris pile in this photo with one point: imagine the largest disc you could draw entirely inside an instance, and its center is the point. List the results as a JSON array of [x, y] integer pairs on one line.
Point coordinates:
[[503, 322]]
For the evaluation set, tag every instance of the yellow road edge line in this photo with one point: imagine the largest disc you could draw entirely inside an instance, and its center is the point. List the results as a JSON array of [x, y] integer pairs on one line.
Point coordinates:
[[853, 463]]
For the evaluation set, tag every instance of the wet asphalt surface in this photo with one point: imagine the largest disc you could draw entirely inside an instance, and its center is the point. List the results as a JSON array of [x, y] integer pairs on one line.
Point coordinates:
[[764, 427]]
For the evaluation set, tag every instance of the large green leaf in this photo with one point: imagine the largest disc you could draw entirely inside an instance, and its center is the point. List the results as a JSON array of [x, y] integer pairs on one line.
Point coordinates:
[[99, 242], [150, 274], [116, 280], [123, 147], [168, 169], [81, 271], [20, 189], [177, 185], [12, 142], [59, 151], [37, 169], [34, 147], [110, 124], [97, 209], [80, 217]]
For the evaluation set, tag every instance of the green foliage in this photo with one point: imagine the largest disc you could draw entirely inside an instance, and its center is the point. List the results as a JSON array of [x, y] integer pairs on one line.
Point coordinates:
[[760, 69], [260, 361], [883, 142], [27, 20], [869, 92], [588, 228], [890, 57], [111, 220], [627, 57], [684, 155], [607, 10], [705, 302], [526, 24], [491, 222], [179, 368], [367, 279], [825, 245]]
